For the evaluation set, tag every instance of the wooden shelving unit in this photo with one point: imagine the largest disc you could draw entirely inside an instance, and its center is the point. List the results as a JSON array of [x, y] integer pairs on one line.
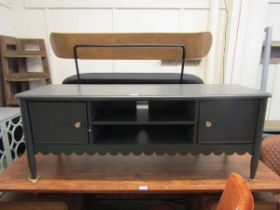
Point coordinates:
[[16, 77]]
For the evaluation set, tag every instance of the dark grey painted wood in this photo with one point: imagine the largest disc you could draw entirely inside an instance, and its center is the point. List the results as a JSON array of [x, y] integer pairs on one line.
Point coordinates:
[[196, 118], [28, 139], [54, 122], [172, 110], [138, 149], [144, 134], [232, 121], [155, 92], [258, 138], [89, 121], [112, 120], [104, 111]]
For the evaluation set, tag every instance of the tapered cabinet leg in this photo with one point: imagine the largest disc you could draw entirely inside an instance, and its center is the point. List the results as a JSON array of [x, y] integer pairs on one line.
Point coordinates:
[[28, 141], [258, 139], [254, 162], [32, 166]]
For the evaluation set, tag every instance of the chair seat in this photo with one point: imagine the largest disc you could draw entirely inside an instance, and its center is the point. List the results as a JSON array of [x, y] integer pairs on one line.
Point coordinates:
[[133, 78]]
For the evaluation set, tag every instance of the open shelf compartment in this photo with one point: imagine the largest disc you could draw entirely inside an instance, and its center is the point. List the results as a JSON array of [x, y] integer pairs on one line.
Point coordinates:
[[143, 112], [113, 111], [172, 111], [143, 134]]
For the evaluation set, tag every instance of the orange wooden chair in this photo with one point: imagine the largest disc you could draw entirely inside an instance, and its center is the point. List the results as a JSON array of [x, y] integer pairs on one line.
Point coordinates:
[[236, 195]]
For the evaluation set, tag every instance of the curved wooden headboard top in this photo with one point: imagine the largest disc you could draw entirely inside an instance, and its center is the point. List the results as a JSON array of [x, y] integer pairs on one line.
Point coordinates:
[[197, 45]]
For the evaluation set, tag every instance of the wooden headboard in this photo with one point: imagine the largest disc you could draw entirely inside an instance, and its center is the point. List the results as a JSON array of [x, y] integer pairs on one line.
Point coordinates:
[[197, 45]]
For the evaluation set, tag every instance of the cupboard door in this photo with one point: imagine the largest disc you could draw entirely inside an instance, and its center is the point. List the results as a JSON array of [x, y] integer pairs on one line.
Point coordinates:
[[227, 121], [59, 122]]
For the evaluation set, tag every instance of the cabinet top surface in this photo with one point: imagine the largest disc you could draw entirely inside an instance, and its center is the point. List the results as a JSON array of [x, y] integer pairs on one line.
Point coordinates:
[[142, 91]]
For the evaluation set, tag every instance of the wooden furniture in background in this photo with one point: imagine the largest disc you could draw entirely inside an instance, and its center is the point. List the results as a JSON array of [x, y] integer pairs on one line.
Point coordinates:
[[135, 174], [14, 53]]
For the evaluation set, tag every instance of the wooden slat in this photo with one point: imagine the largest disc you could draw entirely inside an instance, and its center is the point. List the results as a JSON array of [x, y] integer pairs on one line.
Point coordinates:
[[272, 125], [12, 102], [275, 44], [197, 45], [25, 54], [27, 76]]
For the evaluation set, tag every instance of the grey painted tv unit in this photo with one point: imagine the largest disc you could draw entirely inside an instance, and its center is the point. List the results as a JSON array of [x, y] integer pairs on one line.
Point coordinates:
[[143, 119]]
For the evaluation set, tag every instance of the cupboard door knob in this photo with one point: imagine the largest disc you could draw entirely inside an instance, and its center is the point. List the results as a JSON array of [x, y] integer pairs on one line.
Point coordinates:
[[77, 124], [208, 124]]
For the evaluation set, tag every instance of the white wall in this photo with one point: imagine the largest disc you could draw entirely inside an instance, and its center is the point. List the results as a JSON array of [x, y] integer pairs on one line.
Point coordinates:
[[39, 18], [249, 43], [246, 21], [240, 65], [274, 69], [7, 26]]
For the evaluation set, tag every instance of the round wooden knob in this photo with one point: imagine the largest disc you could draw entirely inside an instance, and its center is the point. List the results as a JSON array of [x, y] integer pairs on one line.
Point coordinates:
[[77, 124], [208, 124]]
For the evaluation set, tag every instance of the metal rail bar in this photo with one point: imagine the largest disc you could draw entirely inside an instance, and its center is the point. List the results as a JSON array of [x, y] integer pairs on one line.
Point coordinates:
[[76, 57]]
